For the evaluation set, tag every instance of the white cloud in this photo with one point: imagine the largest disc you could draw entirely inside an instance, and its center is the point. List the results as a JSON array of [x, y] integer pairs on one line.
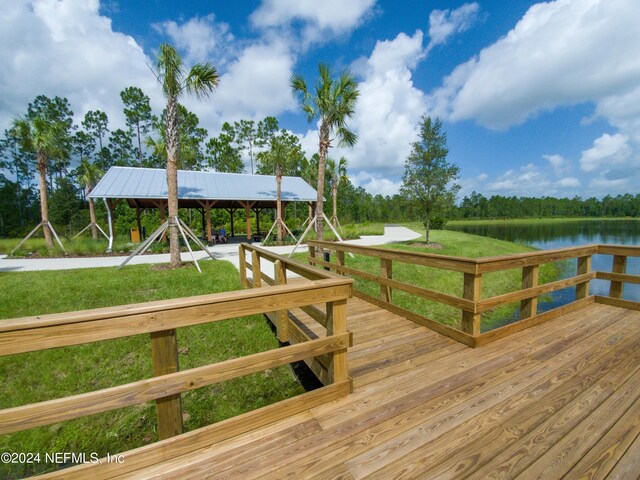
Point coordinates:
[[66, 48], [607, 151], [328, 17], [389, 106], [202, 38], [526, 180], [445, 23], [376, 184], [257, 83], [568, 182], [560, 53], [558, 163]]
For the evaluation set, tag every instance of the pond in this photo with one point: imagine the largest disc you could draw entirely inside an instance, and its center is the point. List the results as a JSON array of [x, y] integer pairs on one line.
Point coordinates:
[[546, 235]]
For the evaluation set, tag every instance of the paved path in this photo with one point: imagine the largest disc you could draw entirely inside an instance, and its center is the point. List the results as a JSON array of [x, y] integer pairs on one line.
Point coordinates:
[[392, 233]]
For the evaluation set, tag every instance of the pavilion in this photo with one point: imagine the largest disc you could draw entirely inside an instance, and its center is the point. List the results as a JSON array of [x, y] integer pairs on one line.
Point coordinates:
[[147, 188]]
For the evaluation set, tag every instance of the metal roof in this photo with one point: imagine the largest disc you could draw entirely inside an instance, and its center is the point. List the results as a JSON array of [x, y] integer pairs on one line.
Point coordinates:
[[151, 184]]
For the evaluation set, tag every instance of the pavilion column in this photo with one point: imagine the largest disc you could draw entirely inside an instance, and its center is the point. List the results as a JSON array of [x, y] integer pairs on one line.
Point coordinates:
[[207, 210], [138, 222], [247, 213], [257, 210], [231, 215]]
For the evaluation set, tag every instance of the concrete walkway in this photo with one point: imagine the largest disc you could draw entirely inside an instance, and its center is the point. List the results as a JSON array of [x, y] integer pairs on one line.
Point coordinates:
[[392, 233]]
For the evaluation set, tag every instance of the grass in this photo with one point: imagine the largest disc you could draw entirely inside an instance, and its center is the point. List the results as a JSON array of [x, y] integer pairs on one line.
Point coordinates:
[[454, 244], [79, 247], [38, 376]]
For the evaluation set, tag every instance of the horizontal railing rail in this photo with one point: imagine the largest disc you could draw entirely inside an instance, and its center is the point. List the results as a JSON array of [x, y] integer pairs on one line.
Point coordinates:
[[471, 303], [160, 320]]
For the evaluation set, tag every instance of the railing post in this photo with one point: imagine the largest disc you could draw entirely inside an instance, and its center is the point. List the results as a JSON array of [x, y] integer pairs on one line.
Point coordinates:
[[337, 324], [340, 259], [584, 266], [164, 355], [282, 316], [529, 306], [619, 266], [386, 271], [255, 264], [243, 266], [312, 251], [472, 291]]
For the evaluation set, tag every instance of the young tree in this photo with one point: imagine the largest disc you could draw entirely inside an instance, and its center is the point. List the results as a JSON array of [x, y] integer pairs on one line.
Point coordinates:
[[333, 101], [138, 114], [121, 149], [222, 153], [201, 80], [44, 137], [337, 174], [428, 178], [284, 154], [96, 124]]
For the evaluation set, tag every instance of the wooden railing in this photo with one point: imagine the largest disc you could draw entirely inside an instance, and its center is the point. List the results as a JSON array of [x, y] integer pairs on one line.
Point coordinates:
[[257, 262], [160, 320], [471, 303]]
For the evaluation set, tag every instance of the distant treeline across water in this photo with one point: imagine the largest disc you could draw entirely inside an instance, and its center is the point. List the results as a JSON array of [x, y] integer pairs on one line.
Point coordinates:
[[478, 206]]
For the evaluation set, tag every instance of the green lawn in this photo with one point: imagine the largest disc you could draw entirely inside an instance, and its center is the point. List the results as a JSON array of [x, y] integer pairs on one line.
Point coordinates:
[[39, 376]]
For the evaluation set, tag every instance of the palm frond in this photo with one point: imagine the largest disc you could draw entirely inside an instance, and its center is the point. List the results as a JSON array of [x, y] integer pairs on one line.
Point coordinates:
[[202, 79]]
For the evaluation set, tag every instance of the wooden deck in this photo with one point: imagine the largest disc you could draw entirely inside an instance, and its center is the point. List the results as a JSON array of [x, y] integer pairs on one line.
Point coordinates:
[[557, 399]]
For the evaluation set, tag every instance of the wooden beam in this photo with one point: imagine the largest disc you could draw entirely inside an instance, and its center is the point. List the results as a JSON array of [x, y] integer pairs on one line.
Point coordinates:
[[282, 316], [584, 266], [257, 272], [337, 325], [164, 355], [386, 271], [472, 291], [530, 276], [619, 266]]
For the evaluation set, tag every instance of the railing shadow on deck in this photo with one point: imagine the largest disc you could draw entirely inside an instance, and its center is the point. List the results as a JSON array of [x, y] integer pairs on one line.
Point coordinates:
[[160, 320], [471, 303]]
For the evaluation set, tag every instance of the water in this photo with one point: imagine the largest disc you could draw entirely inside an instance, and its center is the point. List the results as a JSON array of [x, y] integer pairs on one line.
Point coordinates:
[[550, 235]]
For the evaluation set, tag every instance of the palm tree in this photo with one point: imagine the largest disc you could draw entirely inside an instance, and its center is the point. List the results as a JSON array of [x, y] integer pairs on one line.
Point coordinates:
[[282, 154], [337, 174], [201, 80], [42, 137], [89, 176], [332, 102]]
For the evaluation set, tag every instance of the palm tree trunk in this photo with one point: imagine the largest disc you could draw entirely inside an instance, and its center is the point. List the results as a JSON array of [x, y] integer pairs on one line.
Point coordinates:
[[173, 146], [322, 163], [44, 207], [278, 205]]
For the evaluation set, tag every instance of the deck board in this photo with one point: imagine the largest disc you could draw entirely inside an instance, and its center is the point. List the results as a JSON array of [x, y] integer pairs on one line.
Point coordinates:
[[560, 398]]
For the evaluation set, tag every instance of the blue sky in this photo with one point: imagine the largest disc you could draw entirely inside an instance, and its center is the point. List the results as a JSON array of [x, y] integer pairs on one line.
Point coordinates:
[[536, 98]]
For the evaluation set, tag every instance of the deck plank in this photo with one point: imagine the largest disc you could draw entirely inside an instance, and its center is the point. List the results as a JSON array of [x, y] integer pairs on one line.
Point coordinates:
[[558, 398]]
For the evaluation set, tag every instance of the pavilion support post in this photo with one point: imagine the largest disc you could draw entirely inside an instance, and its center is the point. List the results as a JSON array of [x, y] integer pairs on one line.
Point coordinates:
[[161, 209], [247, 213], [107, 204], [257, 210], [139, 223], [232, 212], [207, 216]]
